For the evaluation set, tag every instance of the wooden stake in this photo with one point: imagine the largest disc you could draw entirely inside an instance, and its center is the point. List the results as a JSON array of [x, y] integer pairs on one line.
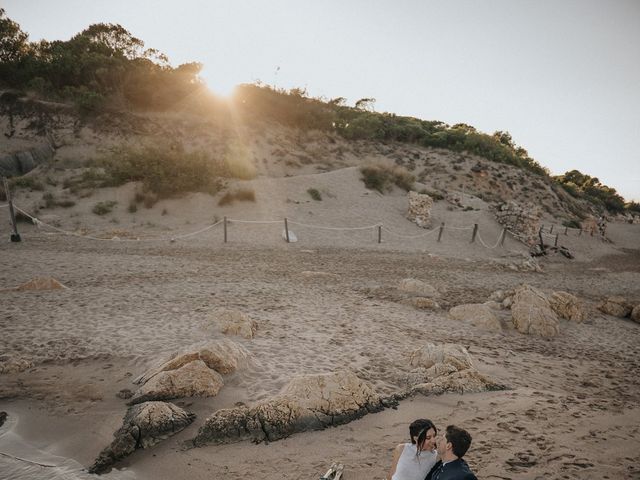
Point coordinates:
[[551, 229], [475, 232], [556, 242], [379, 233], [441, 230], [504, 234], [566, 229], [15, 236], [286, 229], [225, 229]]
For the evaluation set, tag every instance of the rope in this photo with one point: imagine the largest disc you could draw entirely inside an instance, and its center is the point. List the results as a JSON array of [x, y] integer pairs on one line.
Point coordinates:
[[447, 227], [293, 222], [484, 244], [253, 221], [410, 236], [4, 206]]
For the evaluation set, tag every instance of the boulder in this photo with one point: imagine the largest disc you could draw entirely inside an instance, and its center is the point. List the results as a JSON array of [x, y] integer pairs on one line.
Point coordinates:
[[41, 283], [418, 287], [532, 314], [478, 314], [568, 306], [224, 356], [424, 303], [308, 402], [419, 210], [234, 322], [14, 364], [522, 221], [465, 381], [144, 425], [448, 353], [616, 306], [195, 379], [635, 314]]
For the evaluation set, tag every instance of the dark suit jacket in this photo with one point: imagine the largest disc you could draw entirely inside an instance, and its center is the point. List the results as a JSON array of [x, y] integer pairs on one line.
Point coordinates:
[[455, 470]]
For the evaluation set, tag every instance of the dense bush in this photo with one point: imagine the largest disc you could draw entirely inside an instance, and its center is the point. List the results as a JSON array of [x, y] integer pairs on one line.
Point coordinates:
[[314, 193], [587, 187], [382, 177], [243, 195]]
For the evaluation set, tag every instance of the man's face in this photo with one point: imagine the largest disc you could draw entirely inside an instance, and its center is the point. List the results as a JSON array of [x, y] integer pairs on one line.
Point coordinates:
[[441, 444]]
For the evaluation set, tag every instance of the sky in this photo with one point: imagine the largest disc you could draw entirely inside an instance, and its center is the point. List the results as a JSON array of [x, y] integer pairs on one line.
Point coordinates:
[[562, 76]]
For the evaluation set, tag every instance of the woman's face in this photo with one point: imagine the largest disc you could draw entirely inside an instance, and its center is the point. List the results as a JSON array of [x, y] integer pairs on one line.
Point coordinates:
[[429, 440]]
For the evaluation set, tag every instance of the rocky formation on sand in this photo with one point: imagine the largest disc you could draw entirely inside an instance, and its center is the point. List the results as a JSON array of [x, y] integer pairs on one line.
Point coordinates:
[[616, 306], [420, 205], [568, 306], [417, 287], [14, 364], [635, 314], [308, 402], [19, 163], [234, 322], [478, 314], [193, 371], [531, 313], [144, 425], [446, 368], [522, 221], [40, 283]]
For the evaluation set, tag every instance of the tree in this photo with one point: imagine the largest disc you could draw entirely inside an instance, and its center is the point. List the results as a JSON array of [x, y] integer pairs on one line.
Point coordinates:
[[13, 41], [365, 104]]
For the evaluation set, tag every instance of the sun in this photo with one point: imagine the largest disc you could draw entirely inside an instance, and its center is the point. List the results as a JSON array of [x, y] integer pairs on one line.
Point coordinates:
[[219, 82]]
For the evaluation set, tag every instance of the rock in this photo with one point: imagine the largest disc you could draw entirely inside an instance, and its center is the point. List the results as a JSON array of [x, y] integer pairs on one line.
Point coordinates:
[[478, 314], [568, 306], [635, 314], [22, 162], [224, 356], [465, 381], [41, 283], [616, 306], [124, 394], [532, 314], [522, 221], [493, 305], [411, 285], [144, 425], [308, 402], [498, 296], [195, 379], [449, 353], [9, 364], [234, 322], [424, 303], [420, 206]]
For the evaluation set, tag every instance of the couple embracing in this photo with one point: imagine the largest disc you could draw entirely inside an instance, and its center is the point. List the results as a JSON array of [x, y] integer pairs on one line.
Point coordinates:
[[432, 455]]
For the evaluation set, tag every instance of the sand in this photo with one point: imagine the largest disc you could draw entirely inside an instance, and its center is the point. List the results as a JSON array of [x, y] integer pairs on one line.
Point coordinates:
[[572, 411]]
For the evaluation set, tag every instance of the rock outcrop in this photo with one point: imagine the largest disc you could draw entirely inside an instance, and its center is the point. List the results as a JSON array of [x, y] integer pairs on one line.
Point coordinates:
[[22, 162], [446, 368], [635, 314], [480, 315], [194, 379], [417, 287], [14, 364], [616, 306], [532, 314], [308, 402], [234, 322], [144, 425], [420, 205], [568, 306], [522, 221]]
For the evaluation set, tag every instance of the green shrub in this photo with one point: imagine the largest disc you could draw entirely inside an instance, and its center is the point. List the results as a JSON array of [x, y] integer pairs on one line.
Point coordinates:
[[572, 223], [382, 177], [102, 208], [29, 182], [436, 196], [314, 194], [243, 195]]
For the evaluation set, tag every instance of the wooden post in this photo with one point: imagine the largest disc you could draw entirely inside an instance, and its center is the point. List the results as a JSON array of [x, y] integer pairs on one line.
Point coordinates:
[[580, 234], [566, 229], [542, 228], [504, 234], [225, 229], [551, 229], [15, 236], [541, 241], [555, 244], [475, 232], [286, 229], [379, 233], [441, 230], [592, 231]]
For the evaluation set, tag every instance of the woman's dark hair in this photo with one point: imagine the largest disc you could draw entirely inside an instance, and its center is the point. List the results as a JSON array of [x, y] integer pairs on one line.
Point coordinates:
[[418, 432]]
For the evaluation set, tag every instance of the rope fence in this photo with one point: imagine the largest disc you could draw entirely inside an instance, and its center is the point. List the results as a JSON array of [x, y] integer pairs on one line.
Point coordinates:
[[290, 237]]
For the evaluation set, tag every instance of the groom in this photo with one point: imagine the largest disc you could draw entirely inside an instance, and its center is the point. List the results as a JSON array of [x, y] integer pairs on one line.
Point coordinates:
[[452, 445]]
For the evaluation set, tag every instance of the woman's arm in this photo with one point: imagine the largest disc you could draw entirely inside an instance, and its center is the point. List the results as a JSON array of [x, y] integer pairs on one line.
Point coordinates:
[[394, 463]]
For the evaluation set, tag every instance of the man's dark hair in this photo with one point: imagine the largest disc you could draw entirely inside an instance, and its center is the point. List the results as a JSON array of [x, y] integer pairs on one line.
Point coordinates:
[[460, 440]]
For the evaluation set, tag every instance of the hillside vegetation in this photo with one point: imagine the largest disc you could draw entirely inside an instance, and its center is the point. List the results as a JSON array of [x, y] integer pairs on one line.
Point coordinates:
[[106, 70]]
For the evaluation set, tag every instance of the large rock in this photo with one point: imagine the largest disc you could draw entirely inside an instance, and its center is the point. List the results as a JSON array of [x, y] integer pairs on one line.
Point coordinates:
[[224, 356], [465, 381], [195, 379], [523, 221], [448, 353], [635, 314], [14, 364], [420, 206], [23, 162], [480, 315], [40, 283], [532, 314], [144, 425], [234, 322], [417, 287], [568, 306], [616, 306], [308, 402]]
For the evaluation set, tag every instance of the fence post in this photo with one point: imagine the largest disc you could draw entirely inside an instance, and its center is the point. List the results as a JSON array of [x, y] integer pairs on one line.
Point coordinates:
[[441, 230], [556, 242], [504, 234], [15, 236], [286, 229], [542, 228], [566, 229], [551, 229], [225, 229], [379, 233], [475, 232]]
